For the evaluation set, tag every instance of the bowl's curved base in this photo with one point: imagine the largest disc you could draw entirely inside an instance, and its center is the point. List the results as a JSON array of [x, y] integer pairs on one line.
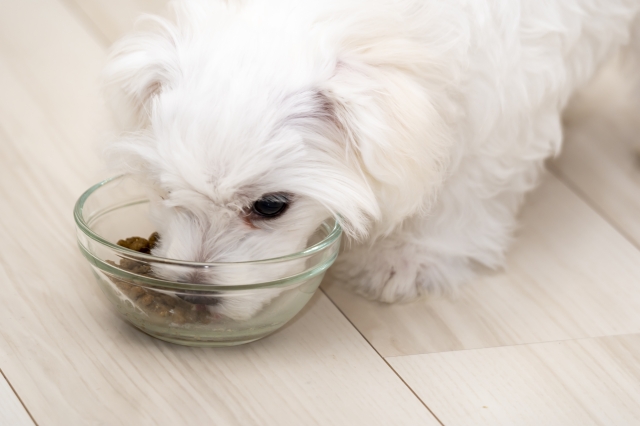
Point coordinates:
[[202, 343]]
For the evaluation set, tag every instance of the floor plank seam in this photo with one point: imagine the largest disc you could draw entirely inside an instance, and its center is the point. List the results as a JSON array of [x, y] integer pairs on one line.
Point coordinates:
[[577, 339], [589, 202], [18, 396], [383, 358], [86, 22]]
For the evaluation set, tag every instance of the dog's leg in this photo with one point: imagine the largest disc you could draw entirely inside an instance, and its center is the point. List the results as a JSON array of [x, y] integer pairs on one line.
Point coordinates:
[[394, 270], [399, 269]]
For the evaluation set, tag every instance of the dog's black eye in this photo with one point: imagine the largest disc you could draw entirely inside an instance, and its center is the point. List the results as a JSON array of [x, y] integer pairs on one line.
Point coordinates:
[[272, 205]]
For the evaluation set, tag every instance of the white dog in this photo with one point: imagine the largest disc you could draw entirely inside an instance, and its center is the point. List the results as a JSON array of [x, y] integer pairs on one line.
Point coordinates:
[[420, 123]]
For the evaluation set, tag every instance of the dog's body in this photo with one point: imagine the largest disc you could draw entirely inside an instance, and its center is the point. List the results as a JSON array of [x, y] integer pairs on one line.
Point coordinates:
[[421, 123]]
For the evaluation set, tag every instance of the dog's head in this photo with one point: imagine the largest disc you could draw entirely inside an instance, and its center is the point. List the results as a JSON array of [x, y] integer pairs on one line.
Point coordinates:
[[254, 125]]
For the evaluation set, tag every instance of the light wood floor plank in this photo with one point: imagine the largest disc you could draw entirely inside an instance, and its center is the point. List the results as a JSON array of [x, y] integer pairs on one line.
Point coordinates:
[[587, 382], [113, 18], [70, 359], [569, 275], [601, 154], [12, 413]]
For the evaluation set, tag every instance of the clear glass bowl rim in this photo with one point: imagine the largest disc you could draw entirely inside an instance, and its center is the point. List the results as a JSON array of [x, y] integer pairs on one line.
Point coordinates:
[[327, 241]]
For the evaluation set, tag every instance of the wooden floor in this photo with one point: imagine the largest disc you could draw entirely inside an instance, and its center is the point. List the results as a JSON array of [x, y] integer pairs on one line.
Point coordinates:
[[554, 339]]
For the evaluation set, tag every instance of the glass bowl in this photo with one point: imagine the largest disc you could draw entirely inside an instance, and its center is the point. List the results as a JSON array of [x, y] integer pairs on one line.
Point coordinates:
[[179, 312]]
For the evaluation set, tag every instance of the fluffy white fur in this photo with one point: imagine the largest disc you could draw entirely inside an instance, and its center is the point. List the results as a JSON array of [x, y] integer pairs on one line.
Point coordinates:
[[420, 123]]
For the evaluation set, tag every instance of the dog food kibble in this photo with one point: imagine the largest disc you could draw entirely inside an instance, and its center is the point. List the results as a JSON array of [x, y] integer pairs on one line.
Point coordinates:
[[140, 244], [154, 302]]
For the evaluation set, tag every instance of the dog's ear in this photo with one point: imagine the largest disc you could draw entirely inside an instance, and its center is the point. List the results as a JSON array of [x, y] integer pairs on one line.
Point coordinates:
[[391, 123], [139, 67]]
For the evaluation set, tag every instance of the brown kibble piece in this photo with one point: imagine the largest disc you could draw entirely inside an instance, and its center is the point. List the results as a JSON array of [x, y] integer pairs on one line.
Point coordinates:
[[178, 318], [146, 300], [136, 243], [136, 292], [168, 300], [161, 309], [135, 266]]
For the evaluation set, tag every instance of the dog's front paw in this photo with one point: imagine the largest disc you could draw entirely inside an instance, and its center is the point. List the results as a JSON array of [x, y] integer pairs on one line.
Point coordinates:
[[389, 275], [399, 273]]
